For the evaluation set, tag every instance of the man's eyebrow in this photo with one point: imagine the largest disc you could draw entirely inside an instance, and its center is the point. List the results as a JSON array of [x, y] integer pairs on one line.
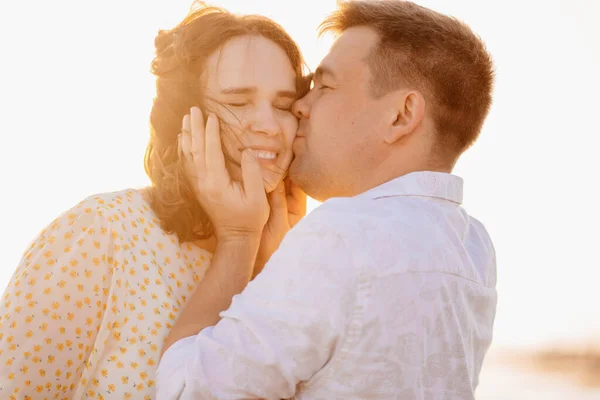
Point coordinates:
[[323, 70], [292, 94]]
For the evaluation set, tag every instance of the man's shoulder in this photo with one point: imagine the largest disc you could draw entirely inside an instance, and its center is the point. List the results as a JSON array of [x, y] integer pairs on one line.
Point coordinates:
[[355, 213], [324, 242], [344, 221], [336, 214]]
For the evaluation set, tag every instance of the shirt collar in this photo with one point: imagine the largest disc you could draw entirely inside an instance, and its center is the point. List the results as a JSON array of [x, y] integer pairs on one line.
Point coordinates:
[[423, 183]]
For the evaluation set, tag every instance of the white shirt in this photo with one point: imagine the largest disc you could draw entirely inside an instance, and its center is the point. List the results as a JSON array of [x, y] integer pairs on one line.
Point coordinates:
[[386, 295]]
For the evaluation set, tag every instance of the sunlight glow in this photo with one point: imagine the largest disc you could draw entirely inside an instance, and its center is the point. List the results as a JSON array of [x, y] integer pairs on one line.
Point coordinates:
[[76, 93]]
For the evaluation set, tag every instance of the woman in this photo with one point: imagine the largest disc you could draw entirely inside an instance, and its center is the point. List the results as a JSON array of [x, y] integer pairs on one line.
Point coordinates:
[[88, 308]]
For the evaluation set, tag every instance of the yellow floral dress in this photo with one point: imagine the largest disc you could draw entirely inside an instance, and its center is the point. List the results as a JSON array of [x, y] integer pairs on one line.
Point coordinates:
[[88, 308]]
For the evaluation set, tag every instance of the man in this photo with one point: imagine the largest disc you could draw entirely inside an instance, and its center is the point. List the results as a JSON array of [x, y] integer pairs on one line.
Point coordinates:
[[386, 291]]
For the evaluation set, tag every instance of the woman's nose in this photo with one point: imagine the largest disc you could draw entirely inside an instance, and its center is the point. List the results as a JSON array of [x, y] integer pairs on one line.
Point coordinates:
[[265, 122]]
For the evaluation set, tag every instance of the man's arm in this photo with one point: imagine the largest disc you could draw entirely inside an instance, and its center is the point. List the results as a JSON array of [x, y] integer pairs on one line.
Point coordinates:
[[281, 330], [229, 273]]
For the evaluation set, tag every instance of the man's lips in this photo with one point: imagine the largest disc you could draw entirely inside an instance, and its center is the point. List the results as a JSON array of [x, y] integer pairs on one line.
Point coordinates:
[[300, 133], [298, 144]]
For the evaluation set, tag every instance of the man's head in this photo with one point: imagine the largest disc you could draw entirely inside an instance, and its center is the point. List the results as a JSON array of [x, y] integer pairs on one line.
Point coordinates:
[[402, 89]]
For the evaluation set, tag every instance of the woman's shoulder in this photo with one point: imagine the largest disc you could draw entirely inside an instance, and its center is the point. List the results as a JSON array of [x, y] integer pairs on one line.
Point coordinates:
[[118, 203], [97, 221], [105, 208]]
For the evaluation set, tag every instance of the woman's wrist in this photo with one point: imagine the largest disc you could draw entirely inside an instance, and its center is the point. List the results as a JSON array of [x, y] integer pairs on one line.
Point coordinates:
[[238, 238], [230, 272], [238, 235], [243, 249]]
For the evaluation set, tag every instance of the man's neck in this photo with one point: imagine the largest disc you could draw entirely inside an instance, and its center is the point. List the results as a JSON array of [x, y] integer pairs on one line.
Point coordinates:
[[391, 169]]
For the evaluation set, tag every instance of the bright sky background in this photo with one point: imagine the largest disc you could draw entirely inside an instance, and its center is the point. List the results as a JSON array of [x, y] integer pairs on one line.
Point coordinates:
[[75, 95]]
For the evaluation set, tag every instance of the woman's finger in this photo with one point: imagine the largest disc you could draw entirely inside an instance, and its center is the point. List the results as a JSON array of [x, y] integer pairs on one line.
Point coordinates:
[[278, 203], [183, 151], [296, 196], [296, 202], [196, 128], [185, 144], [186, 124], [188, 160], [252, 177], [215, 160]]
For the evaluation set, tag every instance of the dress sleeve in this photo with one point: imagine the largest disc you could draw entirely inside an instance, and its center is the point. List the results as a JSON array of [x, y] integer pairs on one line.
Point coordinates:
[[279, 332], [54, 304]]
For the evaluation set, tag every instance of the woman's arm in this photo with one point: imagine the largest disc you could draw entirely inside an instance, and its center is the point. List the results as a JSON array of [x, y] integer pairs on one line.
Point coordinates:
[[53, 306], [238, 210], [229, 273]]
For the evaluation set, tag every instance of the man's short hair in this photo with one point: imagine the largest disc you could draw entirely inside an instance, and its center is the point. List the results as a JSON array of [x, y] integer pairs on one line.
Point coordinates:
[[434, 53]]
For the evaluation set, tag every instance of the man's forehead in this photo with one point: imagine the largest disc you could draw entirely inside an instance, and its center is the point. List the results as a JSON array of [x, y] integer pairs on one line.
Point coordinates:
[[353, 45]]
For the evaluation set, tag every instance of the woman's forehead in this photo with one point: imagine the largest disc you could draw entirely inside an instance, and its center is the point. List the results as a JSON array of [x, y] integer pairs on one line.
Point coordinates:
[[250, 62]]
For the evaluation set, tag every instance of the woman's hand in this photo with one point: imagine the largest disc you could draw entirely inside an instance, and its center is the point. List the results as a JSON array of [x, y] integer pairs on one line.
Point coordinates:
[[288, 206], [236, 209]]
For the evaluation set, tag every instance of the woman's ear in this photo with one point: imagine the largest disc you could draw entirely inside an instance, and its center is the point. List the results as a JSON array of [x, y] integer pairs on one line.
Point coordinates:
[[410, 110]]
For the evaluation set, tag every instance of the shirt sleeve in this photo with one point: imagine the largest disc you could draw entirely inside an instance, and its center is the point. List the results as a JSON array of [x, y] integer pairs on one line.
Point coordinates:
[[280, 331], [53, 306]]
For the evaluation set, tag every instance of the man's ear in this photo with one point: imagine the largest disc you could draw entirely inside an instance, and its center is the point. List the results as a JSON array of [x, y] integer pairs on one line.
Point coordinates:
[[410, 111]]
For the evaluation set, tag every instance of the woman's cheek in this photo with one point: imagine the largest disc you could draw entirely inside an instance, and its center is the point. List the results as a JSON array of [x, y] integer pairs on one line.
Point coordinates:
[[290, 128]]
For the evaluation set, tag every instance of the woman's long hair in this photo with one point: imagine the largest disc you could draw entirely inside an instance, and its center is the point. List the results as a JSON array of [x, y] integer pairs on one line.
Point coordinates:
[[181, 55]]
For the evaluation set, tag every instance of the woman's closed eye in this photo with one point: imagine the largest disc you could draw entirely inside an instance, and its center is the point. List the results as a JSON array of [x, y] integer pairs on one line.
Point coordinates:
[[287, 106], [281, 106], [238, 105]]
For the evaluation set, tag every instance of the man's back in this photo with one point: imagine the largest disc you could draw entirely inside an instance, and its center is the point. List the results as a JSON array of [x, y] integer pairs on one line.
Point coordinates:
[[422, 318], [386, 295]]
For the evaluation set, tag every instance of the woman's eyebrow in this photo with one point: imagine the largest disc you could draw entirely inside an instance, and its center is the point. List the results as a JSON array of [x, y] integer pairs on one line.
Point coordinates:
[[239, 90], [252, 90]]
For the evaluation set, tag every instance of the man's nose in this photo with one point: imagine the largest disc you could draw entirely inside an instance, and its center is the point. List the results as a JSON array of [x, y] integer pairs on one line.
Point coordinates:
[[301, 108]]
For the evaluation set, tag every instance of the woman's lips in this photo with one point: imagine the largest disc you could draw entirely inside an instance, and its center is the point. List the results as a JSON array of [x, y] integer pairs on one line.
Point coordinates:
[[265, 157], [265, 154]]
